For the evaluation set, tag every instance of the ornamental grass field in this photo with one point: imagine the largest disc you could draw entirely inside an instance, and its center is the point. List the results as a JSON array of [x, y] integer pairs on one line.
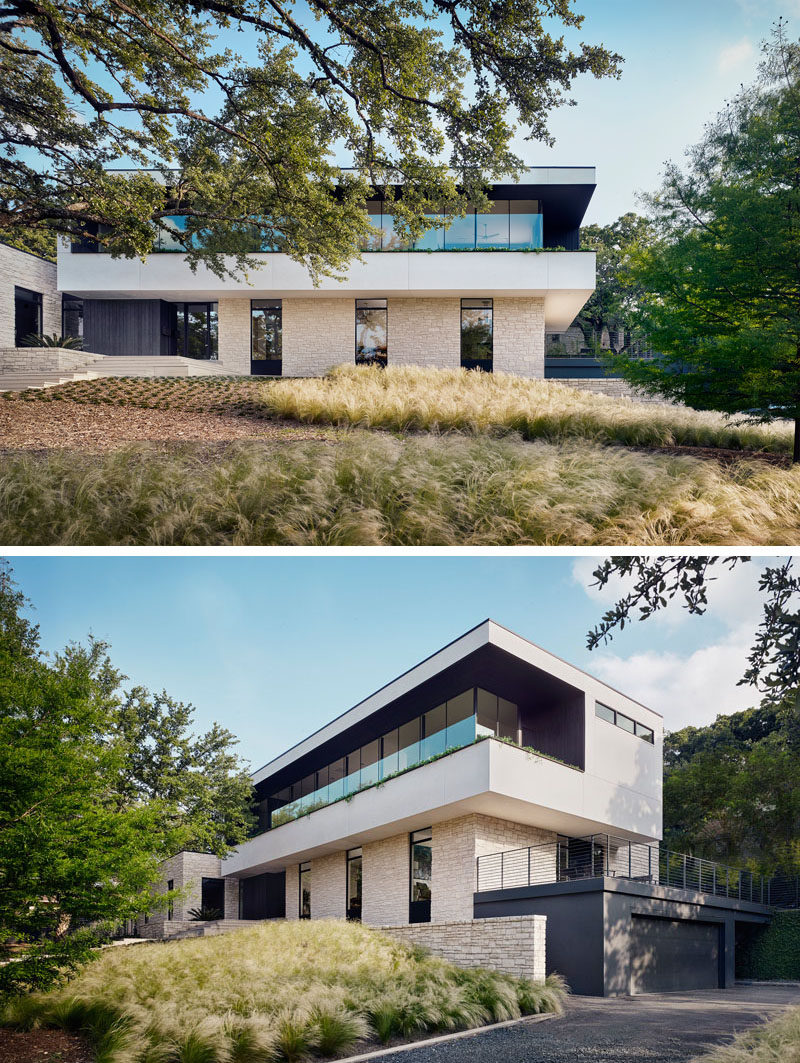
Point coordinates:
[[375, 489], [283, 991], [367, 457], [412, 399], [777, 1041]]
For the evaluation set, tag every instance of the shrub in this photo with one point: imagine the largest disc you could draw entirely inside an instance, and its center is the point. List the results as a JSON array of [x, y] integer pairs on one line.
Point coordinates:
[[69, 343], [772, 952]]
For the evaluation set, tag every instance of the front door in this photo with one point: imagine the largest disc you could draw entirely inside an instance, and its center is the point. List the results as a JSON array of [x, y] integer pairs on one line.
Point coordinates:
[[266, 337]]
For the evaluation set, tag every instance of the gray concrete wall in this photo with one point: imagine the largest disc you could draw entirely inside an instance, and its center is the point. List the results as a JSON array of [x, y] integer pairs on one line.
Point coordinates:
[[589, 925]]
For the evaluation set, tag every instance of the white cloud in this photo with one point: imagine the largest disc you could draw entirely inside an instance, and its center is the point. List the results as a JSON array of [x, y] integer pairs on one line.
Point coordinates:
[[692, 689], [695, 685], [735, 55]]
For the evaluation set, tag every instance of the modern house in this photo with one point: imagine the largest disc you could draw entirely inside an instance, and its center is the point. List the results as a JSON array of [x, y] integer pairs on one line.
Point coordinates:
[[498, 805], [479, 292]]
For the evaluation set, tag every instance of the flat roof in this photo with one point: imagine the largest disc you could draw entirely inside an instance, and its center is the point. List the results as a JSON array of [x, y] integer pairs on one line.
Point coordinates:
[[488, 632]]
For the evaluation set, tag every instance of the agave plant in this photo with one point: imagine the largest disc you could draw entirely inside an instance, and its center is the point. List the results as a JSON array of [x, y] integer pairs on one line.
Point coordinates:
[[205, 915], [68, 343]]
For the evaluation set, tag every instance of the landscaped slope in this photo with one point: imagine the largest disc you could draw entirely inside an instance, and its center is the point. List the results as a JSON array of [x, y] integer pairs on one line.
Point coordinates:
[[278, 991], [409, 398], [373, 490]]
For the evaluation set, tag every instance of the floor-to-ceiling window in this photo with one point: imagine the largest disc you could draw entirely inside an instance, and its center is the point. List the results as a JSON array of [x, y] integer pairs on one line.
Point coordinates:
[[305, 890], [354, 884], [27, 315], [266, 337], [477, 326], [196, 331], [212, 895], [371, 332], [72, 317], [419, 906]]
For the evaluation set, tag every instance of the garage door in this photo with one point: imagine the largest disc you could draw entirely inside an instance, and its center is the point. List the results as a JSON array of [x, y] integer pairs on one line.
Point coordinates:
[[673, 954]]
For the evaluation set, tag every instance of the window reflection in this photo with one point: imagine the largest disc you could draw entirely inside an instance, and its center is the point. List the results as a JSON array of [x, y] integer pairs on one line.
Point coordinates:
[[371, 332], [449, 725], [477, 334]]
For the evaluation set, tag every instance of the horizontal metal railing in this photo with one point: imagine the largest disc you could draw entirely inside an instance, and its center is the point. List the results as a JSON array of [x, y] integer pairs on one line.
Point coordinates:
[[569, 859]]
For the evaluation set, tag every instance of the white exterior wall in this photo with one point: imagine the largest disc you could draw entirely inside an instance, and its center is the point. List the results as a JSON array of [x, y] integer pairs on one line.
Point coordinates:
[[233, 324], [23, 270]]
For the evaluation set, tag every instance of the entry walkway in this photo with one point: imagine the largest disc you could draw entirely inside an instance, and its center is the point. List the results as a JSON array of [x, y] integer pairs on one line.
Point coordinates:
[[657, 1028]]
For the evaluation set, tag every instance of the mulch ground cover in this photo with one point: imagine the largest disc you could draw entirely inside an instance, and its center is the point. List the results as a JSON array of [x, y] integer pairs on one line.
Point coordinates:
[[43, 1046]]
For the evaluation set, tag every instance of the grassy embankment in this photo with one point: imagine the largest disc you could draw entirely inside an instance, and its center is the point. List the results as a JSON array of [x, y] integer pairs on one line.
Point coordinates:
[[277, 992], [451, 469], [777, 1041]]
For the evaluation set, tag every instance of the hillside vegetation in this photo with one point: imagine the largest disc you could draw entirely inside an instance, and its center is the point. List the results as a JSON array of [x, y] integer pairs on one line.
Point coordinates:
[[409, 398], [280, 991]]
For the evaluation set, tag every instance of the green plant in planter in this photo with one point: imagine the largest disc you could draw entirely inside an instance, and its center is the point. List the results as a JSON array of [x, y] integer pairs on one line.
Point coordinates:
[[68, 343], [205, 915]]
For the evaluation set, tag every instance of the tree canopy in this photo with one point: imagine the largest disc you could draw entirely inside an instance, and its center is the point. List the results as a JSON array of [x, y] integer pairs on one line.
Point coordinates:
[[612, 304], [96, 787], [732, 789], [428, 93], [718, 282]]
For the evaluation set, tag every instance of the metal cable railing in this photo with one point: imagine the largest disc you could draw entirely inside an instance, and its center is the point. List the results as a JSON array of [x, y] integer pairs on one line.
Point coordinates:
[[569, 859]]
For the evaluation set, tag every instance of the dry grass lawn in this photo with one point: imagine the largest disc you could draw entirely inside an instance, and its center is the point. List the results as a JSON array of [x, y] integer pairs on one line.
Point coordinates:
[[280, 991]]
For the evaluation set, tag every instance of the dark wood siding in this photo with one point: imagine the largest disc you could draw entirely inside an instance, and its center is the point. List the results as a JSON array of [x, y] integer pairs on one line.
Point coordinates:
[[129, 326]]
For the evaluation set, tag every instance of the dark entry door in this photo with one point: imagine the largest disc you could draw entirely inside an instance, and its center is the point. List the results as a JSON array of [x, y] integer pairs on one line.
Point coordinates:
[[27, 314], [673, 954]]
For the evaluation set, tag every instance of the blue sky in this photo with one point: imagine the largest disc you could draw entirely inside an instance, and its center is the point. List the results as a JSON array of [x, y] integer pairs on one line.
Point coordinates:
[[275, 646], [683, 59]]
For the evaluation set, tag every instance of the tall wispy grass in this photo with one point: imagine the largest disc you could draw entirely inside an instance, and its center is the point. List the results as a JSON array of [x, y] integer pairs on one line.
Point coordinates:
[[277, 992], [411, 398], [777, 1041], [376, 490]]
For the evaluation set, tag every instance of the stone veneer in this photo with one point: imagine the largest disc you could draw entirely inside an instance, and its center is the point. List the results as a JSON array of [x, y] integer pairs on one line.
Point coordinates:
[[187, 871], [512, 944], [319, 333], [24, 270], [385, 871]]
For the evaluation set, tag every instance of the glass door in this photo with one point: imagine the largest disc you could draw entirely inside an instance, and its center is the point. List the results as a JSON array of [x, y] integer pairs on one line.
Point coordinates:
[[419, 908], [196, 330]]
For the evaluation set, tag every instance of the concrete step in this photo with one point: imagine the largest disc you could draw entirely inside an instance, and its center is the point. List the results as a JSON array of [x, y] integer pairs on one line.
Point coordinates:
[[150, 366], [38, 381]]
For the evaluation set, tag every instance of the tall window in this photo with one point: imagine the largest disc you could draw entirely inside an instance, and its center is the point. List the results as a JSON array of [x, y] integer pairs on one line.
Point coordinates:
[[212, 894], [419, 907], [72, 317], [266, 337], [371, 332], [476, 334], [354, 884], [27, 314], [170, 905], [305, 890], [196, 331]]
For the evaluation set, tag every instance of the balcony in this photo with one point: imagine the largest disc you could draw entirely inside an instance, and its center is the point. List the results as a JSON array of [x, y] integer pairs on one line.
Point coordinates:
[[602, 855]]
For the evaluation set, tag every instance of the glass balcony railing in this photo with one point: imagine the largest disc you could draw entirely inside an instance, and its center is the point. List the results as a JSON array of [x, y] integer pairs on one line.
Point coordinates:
[[475, 232], [456, 736]]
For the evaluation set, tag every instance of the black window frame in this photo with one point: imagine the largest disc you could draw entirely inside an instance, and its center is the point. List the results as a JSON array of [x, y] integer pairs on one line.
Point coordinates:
[[170, 905], [71, 304], [303, 869], [22, 294], [211, 341], [638, 730], [210, 884], [267, 366], [381, 361], [353, 912], [485, 364], [419, 911]]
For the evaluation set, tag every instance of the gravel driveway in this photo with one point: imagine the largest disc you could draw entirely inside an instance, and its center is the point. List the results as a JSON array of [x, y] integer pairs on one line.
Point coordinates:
[[657, 1028]]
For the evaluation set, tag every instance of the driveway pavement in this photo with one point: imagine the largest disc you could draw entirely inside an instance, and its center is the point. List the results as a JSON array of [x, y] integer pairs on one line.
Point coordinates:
[[657, 1028]]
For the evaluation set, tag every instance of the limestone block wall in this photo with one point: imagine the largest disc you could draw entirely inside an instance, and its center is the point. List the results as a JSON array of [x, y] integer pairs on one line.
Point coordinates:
[[512, 944], [317, 335], [21, 269], [293, 890], [187, 870], [614, 388], [33, 359], [519, 336], [329, 887], [233, 324], [385, 881], [425, 332]]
